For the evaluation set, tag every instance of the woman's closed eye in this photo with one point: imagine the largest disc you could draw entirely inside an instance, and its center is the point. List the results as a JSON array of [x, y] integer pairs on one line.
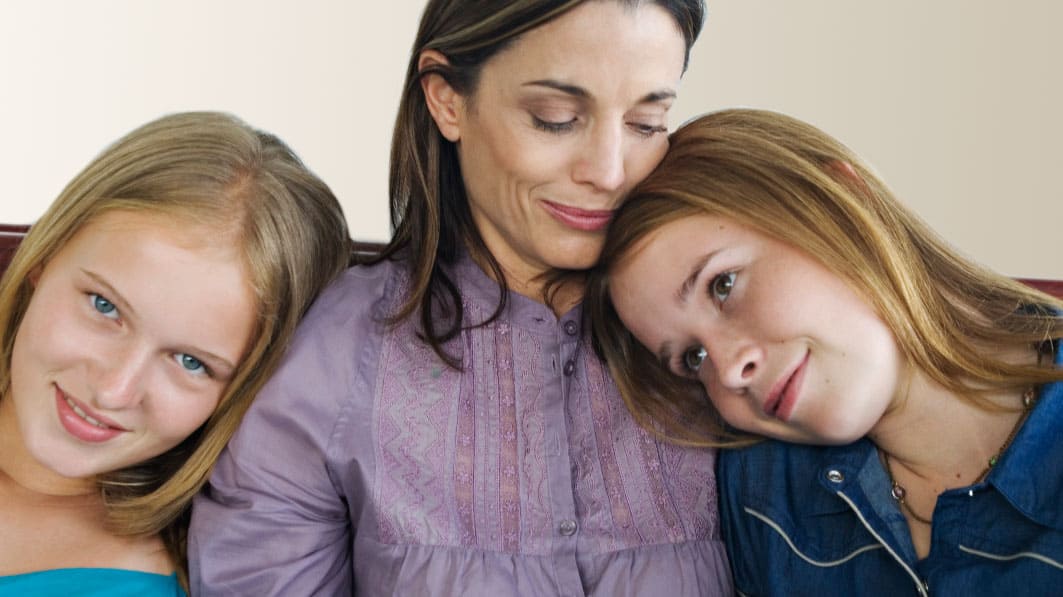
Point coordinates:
[[103, 306], [646, 129], [556, 127]]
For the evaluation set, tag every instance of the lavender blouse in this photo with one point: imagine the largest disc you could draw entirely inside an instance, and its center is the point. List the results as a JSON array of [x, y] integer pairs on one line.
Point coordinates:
[[366, 466]]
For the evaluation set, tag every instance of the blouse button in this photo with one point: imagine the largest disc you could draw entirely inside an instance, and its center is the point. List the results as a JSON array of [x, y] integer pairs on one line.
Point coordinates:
[[567, 527], [570, 368], [835, 476], [571, 328]]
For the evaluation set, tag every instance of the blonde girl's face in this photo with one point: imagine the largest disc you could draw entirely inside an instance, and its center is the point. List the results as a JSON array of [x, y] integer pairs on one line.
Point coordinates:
[[134, 329], [784, 347]]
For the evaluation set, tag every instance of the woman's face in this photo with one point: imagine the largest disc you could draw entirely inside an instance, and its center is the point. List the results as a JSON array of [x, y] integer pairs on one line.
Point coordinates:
[[561, 125], [133, 331], [784, 347]]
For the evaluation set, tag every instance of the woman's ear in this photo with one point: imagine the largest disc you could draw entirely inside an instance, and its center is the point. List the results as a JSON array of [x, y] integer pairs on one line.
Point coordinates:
[[444, 102]]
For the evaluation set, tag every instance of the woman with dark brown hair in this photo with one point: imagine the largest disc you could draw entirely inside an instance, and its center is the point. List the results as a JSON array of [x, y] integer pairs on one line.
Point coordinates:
[[441, 426]]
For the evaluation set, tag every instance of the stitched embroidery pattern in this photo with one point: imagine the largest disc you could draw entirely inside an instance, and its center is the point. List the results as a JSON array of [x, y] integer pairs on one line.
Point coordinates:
[[413, 426], [508, 481], [461, 458]]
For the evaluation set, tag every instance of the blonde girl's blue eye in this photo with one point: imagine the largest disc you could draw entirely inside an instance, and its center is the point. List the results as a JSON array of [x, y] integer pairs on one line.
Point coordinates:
[[721, 286], [190, 363], [693, 358], [103, 306]]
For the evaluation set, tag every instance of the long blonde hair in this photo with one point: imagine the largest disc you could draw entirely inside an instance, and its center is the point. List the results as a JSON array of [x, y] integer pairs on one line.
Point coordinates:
[[951, 317], [201, 170]]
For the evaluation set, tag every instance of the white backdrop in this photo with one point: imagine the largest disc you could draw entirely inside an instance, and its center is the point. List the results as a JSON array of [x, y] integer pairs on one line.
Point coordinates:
[[955, 102]]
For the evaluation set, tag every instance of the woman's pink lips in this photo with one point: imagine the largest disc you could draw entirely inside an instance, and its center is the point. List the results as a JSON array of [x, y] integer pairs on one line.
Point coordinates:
[[783, 397], [77, 426], [587, 220]]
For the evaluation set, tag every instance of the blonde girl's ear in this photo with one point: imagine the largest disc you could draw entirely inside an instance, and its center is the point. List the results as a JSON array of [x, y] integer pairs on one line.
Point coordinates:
[[445, 104], [34, 276], [845, 172]]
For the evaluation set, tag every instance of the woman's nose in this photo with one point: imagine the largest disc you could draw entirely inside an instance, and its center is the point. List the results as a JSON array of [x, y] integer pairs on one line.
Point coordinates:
[[601, 160]]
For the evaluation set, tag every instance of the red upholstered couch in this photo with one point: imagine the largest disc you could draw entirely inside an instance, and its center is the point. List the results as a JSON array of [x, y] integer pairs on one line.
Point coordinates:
[[11, 235]]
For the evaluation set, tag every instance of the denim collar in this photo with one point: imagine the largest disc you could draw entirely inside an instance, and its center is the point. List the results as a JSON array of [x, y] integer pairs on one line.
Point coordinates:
[[1028, 472], [1037, 447]]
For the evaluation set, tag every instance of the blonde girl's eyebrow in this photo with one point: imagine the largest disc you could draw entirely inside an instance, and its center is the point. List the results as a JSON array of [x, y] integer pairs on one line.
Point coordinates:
[[112, 293], [223, 368]]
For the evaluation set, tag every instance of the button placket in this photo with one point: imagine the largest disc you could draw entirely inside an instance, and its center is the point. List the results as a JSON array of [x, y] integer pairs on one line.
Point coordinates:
[[570, 368], [571, 328], [567, 527]]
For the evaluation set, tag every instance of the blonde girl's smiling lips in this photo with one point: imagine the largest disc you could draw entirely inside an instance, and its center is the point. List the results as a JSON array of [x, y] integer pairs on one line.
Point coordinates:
[[587, 220], [784, 394], [82, 422]]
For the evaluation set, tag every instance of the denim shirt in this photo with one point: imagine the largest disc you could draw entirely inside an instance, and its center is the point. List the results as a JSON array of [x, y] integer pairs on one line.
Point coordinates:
[[819, 520]]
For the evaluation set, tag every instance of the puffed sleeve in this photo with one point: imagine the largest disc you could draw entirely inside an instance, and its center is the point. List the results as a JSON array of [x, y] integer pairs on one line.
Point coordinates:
[[274, 518]]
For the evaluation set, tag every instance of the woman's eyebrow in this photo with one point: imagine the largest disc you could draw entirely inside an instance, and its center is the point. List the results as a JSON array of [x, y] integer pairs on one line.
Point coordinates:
[[661, 95], [567, 88], [576, 91]]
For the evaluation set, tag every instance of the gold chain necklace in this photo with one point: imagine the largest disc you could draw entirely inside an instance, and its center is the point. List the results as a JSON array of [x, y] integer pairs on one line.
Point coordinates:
[[900, 494]]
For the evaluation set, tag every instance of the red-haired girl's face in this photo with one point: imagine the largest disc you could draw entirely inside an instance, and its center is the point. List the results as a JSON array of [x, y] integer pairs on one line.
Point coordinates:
[[784, 347]]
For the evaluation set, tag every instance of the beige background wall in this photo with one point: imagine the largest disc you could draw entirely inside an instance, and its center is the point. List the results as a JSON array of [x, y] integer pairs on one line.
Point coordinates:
[[955, 102]]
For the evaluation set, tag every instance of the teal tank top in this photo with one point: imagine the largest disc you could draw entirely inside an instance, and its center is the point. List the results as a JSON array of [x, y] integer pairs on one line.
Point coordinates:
[[90, 582]]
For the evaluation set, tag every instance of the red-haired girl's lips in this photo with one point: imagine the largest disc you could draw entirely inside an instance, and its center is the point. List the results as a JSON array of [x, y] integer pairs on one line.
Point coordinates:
[[783, 397], [587, 220], [792, 392], [81, 422]]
